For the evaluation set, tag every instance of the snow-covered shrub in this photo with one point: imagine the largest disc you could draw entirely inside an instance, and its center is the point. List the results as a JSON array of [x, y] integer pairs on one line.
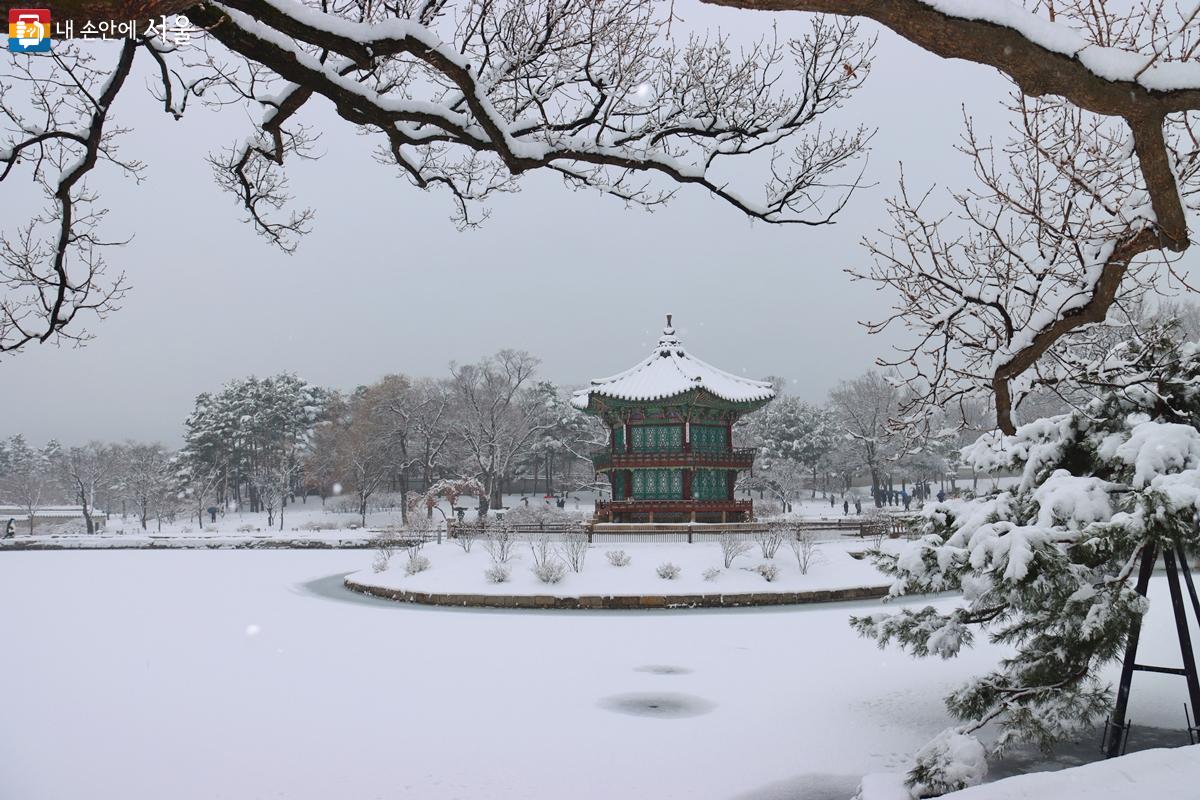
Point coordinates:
[[771, 539], [186, 529], [1046, 567], [245, 528], [769, 571], [951, 762], [497, 573], [384, 550], [618, 558], [573, 549], [733, 546], [500, 543], [806, 549], [711, 574], [550, 571], [416, 563], [668, 571]]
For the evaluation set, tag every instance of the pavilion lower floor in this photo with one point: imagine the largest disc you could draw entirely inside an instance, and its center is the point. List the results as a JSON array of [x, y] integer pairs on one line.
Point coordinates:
[[674, 511]]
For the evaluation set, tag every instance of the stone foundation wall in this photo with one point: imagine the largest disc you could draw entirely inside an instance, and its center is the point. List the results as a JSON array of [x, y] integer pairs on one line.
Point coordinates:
[[651, 601]]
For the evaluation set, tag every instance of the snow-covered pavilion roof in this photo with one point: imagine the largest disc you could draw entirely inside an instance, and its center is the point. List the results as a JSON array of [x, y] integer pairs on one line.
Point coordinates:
[[669, 371]]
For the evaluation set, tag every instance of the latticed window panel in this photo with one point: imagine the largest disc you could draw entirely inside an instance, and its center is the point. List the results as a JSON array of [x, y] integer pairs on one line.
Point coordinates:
[[709, 484], [657, 438], [618, 437], [618, 485], [657, 484], [709, 439]]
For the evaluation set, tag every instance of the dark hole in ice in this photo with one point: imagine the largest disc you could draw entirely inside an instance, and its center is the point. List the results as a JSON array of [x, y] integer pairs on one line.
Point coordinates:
[[663, 669], [665, 706]]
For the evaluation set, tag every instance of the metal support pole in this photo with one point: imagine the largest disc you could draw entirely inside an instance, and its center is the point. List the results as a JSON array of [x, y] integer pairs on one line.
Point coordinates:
[[1187, 578], [1114, 729], [1181, 627]]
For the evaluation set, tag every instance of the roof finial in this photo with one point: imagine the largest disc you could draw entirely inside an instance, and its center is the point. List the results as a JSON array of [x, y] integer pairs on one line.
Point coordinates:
[[668, 320]]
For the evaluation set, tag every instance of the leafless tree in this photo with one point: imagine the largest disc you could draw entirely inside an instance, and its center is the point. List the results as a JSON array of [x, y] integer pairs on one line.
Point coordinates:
[[364, 454], [146, 479], [85, 471], [27, 477], [498, 417], [1084, 208], [464, 97], [863, 408]]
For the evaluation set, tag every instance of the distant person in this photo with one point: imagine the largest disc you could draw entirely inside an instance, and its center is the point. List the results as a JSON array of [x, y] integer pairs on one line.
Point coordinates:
[[831, 500], [212, 513], [857, 506], [905, 498], [846, 508], [941, 495], [10, 530]]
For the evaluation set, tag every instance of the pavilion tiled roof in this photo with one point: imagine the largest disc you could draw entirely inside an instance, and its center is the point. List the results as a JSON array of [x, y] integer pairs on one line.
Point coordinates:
[[669, 371]]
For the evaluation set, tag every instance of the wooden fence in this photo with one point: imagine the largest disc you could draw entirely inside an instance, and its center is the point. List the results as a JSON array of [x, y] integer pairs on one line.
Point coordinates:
[[894, 526]]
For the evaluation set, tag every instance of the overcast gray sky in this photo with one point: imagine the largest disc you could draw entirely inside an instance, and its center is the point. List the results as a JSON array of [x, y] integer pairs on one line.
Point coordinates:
[[385, 283]]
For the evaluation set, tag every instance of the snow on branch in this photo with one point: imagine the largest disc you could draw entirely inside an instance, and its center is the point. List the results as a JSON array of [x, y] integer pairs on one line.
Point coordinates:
[[51, 266], [469, 99], [1079, 213]]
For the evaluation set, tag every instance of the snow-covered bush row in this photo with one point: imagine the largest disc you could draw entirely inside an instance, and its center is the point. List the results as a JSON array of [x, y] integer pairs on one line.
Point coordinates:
[[769, 571], [711, 574], [1045, 569], [668, 571]]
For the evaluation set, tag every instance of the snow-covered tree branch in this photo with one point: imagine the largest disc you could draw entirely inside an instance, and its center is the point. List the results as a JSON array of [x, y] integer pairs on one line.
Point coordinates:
[[1095, 186], [462, 97]]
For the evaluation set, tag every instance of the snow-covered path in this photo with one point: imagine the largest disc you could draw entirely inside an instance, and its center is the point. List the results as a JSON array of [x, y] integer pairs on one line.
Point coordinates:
[[235, 674]]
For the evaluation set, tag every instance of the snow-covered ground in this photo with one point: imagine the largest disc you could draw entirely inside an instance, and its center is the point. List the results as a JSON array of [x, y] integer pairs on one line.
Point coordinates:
[[1154, 774], [456, 572], [198, 675]]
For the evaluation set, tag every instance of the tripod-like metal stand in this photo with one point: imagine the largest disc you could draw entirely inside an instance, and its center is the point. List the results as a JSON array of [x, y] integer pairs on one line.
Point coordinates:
[[1116, 730]]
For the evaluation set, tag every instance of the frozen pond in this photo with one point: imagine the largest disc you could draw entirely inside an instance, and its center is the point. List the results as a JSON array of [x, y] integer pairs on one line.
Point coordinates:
[[144, 675]]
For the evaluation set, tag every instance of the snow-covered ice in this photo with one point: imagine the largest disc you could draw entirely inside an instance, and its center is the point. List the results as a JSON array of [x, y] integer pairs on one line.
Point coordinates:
[[131, 675]]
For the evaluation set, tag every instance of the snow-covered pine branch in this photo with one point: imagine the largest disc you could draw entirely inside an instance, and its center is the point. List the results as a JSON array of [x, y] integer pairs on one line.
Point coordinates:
[[1045, 568]]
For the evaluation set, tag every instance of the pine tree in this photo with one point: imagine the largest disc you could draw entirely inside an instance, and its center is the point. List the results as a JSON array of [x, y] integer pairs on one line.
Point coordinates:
[[1046, 568]]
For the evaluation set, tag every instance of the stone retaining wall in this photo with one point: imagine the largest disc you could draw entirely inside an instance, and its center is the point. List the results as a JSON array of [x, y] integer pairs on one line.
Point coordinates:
[[622, 602]]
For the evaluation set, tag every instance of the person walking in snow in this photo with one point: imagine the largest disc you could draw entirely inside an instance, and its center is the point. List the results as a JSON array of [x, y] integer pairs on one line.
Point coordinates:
[[845, 507], [857, 506], [10, 530], [941, 495]]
